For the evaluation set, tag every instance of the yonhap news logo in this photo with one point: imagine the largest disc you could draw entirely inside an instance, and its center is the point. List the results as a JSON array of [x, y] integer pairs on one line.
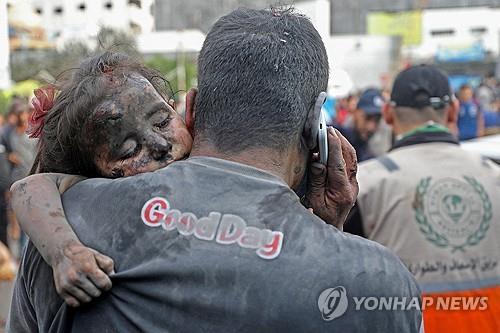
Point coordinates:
[[334, 302]]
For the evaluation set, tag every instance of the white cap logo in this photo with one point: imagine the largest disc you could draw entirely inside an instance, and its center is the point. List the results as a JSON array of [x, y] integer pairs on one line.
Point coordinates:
[[378, 101]]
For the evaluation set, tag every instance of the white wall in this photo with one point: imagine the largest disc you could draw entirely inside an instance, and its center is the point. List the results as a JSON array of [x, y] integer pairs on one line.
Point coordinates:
[[319, 13], [460, 21], [81, 24], [365, 58], [170, 41], [4, 47], [356, 61]]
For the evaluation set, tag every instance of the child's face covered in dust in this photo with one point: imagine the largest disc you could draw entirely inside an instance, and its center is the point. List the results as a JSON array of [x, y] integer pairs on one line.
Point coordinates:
[[135, 130]]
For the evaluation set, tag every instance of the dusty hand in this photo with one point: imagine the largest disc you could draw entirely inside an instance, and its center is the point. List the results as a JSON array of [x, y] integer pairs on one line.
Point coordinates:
[[333, 188], [81, 274]]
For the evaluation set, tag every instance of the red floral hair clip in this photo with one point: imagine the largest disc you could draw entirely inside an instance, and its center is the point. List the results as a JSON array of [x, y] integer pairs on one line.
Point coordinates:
[[42, 103]]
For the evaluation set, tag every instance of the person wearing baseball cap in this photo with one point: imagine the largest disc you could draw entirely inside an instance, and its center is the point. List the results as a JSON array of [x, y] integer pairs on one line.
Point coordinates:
[[435, 205], [366, 119]]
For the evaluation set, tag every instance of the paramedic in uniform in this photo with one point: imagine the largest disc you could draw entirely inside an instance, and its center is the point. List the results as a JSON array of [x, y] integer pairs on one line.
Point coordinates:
[[435, 205]]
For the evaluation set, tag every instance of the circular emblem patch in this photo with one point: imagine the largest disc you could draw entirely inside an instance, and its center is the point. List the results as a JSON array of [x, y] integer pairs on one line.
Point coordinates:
[[453, 213]]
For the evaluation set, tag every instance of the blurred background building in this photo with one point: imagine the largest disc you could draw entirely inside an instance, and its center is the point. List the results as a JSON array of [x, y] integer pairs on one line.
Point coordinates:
[[350, 17], [65, 20], [4, 48], [194, 14], [368, 39]]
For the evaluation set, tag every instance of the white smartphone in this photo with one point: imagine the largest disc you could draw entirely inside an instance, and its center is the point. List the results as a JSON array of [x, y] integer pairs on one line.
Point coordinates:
[[322, 136], [323, 139]]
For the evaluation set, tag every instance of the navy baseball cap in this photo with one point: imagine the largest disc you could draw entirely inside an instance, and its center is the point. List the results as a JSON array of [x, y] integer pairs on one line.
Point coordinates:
[[421, 86], [371, 102]]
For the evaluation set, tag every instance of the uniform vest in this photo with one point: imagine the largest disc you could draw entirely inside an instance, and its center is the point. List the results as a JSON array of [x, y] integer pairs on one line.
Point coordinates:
[[437, 207]]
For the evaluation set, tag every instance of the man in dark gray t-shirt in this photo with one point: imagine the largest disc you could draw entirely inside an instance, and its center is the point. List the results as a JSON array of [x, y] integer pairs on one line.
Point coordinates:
[[247, 257], [220, 242]]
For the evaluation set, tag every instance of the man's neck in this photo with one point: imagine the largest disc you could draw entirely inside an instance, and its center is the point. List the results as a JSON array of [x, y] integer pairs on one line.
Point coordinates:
[[284, 165], [401, 130]]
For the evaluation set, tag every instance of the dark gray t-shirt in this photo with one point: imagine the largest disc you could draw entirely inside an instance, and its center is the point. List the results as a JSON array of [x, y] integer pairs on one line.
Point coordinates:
[[208, 245]]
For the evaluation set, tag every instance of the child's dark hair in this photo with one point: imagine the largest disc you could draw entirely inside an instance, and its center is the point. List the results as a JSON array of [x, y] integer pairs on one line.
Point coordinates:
[[64, 147]]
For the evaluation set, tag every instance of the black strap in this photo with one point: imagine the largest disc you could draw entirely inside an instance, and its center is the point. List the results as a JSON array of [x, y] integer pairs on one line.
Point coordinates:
[[425, 137], [388, 163]]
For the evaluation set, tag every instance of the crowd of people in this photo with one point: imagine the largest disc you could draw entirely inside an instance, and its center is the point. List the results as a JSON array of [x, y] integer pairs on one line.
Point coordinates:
[[229, 220], [17, 155], [359, 116]]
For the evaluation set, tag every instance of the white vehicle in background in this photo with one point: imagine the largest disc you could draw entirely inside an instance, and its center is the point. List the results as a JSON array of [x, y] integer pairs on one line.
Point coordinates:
[[488, 146]]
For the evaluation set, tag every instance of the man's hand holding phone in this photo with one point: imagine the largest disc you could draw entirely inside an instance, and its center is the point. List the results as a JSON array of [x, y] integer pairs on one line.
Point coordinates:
[[333, 188]]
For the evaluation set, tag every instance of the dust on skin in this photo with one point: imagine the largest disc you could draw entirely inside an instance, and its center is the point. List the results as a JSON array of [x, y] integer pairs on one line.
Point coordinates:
[[22, 188], [57, 213], [21, 191], [135, 130]]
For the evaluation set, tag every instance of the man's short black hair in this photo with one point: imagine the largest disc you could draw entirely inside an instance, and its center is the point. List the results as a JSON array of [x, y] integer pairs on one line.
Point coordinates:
[[260, 71]]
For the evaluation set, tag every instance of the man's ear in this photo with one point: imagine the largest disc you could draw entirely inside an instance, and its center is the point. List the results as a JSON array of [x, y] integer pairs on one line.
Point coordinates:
[[311, 127], [452, 117], [452, 114], [190, 109], [388, 113]]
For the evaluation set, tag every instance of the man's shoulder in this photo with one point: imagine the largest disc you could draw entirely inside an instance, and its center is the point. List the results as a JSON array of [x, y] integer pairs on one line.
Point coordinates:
[[371, 254], [408, 159], [364, 263], [143, 180], [374, 171], [357, 269], [389, 162], [385, 270]]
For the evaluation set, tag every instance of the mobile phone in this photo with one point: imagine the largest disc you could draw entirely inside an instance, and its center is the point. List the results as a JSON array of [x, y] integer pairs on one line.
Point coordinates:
[[320, 145], [323, 139]]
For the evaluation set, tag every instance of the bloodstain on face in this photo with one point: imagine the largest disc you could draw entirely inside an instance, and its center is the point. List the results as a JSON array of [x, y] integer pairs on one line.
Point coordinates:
[[135, 130]]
